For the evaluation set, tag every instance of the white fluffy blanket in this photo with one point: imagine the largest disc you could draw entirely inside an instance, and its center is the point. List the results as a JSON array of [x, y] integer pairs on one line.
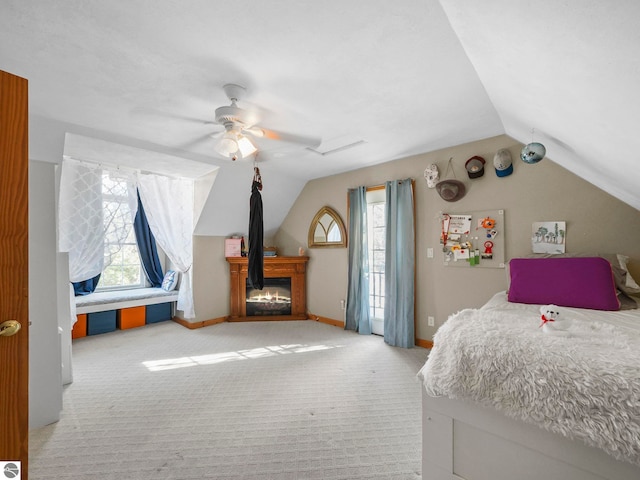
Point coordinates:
[[586, 386]]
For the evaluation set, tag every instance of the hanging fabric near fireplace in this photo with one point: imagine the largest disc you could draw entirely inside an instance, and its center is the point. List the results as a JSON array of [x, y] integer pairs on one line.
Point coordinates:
[[256, 233]]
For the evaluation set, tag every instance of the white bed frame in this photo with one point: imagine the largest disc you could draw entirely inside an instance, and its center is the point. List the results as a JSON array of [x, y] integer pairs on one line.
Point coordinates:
[[464, 440]]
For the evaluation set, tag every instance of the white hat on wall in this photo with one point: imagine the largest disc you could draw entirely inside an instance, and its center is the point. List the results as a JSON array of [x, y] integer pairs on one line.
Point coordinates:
[[502, 163]]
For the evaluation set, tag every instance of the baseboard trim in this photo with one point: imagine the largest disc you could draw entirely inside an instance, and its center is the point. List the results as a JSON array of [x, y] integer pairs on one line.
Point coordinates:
[[424, 343], [194, 325], [328, 321], [338, 323]]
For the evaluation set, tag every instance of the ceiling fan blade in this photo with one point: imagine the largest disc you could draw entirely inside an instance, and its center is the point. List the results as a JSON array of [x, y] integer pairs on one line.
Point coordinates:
[[196, 141], [162, 113], [283, 137]]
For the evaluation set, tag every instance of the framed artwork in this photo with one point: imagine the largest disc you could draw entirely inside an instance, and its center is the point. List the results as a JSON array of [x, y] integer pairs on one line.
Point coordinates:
[[548, 237]]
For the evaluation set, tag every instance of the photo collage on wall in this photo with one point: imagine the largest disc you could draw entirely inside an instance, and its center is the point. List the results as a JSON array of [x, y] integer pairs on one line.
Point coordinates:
[[473, 239]]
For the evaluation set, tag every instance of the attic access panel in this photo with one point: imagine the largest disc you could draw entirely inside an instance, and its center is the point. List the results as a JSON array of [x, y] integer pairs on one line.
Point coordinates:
[[473, 239]]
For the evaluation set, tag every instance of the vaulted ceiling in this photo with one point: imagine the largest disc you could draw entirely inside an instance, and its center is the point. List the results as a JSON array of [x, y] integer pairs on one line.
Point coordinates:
[[374, 80]]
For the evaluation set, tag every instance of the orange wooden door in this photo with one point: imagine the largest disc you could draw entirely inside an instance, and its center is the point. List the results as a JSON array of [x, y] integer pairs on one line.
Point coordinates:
[[14, 347]]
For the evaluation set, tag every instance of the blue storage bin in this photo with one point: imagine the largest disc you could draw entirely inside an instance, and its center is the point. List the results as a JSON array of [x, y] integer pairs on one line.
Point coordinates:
[[101, 322], [158, 312]]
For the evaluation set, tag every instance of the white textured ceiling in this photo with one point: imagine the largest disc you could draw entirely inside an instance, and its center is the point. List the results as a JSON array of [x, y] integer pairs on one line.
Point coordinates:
[[570, 70], [404, 77]]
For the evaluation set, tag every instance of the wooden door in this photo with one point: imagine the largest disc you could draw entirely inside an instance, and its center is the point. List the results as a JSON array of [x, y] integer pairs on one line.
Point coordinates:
[[14, 347]]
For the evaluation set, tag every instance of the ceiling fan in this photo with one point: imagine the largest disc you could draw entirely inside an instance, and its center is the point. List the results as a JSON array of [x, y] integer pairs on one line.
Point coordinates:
[[240, 124]]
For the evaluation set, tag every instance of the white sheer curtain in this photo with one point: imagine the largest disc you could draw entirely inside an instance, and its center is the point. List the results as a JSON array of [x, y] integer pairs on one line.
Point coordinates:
[[94, 201], [168, 203]]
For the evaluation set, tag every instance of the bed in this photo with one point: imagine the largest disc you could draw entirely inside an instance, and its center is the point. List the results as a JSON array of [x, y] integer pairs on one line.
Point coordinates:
[[504, 400]]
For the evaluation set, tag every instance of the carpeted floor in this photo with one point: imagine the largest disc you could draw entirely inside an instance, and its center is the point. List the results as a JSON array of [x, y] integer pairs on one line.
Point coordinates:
[[255, 400]]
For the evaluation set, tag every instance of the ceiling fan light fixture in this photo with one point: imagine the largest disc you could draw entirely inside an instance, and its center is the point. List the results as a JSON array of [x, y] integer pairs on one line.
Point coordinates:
[[242, 129], [245, 146], [227, 146]]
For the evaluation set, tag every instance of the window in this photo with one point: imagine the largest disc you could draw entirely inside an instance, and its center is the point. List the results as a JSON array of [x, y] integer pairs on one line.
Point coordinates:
[[125, 268], [371, 311], [376, 240]]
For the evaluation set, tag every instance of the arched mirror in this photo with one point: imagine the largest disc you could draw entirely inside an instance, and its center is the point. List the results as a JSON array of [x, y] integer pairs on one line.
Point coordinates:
[[327, 229]]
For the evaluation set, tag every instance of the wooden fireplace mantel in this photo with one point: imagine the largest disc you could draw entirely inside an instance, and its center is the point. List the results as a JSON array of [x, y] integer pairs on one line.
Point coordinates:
[[274, 267]]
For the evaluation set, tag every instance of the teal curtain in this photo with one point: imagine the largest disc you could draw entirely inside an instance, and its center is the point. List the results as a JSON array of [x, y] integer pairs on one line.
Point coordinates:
[[399, 326], [357, 315]]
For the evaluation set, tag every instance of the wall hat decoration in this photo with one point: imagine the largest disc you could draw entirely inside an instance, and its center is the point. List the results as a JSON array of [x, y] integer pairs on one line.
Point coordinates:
[[502, 163], [431, 175], [533, 152], [451, 190], [475, 167]]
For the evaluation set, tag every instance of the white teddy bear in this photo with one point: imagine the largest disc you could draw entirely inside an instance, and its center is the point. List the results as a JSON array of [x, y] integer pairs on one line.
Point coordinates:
[[553, 322]]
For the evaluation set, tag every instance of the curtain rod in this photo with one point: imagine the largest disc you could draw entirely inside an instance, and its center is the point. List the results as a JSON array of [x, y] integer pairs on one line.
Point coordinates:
[[381, 186], [117, 167]]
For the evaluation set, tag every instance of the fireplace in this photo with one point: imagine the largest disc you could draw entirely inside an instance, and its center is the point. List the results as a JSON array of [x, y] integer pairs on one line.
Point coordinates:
[[273, 299], [283, 296]]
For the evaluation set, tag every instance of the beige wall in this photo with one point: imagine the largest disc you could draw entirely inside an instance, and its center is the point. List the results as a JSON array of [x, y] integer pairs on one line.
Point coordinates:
[[210, 279], [211, 285], [596, 222]]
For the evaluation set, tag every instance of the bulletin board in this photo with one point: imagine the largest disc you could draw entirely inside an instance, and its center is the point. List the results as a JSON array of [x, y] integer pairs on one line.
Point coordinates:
[[473, 239]]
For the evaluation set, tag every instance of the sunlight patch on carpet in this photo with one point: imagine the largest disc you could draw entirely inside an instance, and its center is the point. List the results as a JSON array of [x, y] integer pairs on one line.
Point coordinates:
[[251, 354]]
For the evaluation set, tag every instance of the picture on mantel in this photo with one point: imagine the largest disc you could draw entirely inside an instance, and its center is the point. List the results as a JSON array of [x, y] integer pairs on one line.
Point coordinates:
[[548, 237]]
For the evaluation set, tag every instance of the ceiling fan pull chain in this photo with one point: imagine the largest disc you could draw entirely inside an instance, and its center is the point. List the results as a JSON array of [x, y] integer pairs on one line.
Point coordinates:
[[257, 177]]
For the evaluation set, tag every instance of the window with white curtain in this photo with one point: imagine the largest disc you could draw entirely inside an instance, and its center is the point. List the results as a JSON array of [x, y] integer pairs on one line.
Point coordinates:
[[97, 205], [86, 218]]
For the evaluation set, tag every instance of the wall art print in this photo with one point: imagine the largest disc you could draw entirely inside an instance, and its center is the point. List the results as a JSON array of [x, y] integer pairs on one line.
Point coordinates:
[[548, 237]]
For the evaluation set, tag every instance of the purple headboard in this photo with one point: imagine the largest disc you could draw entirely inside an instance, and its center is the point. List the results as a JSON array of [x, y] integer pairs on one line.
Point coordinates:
[[583, 282]]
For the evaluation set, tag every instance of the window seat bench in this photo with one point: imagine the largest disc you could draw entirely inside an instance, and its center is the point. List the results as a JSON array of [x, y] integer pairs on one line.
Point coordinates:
[[102, 312], [102, 301]]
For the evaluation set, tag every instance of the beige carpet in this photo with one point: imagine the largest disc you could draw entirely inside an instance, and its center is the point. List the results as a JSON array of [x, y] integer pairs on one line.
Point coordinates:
[[256, 400]]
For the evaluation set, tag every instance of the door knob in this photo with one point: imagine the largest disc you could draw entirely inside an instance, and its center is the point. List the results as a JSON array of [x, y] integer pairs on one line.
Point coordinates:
[[10, 327]]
